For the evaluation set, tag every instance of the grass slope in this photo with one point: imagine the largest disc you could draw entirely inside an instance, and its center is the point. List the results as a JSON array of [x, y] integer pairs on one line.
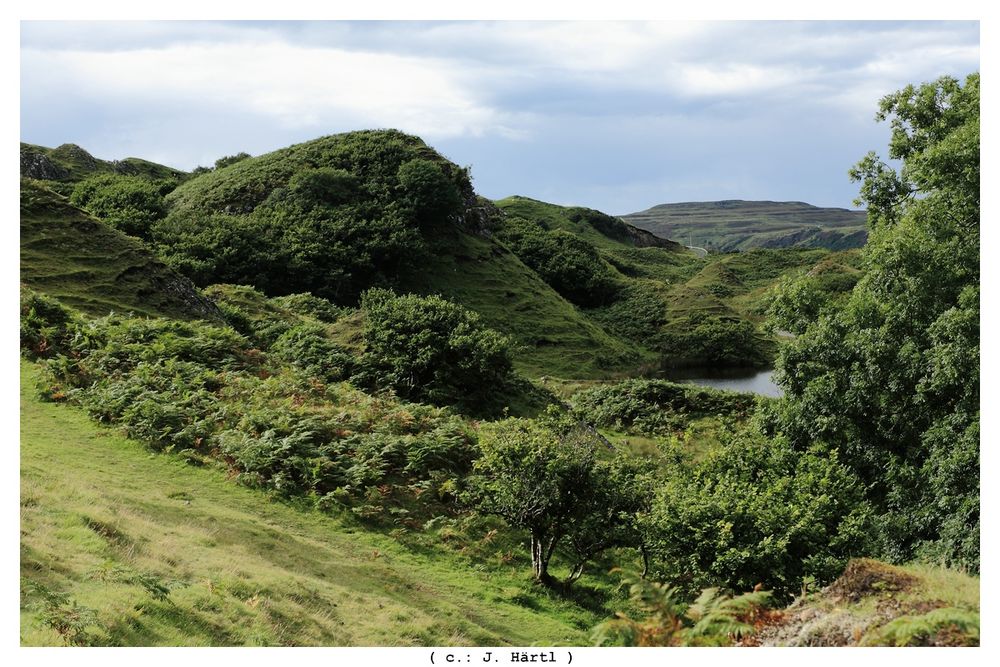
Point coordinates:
[[100, 516], [92, 267], [741, 225], [555, 337]]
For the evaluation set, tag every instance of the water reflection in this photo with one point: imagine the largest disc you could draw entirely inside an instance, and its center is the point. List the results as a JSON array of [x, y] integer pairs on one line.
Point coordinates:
[[754, 380]]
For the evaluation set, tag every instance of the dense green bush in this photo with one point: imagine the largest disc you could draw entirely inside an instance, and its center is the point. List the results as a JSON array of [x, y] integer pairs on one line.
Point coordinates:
[[129, 203], [757, 512], [429, 348], [570, 265], [309, 347], [47, 327], [713, 341], [431, 193]]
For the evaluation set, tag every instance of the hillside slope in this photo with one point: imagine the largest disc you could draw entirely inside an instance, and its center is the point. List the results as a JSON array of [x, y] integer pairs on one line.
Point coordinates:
[[69, 163], [88, 265], [876, 604], [740, 225], [107, 526]]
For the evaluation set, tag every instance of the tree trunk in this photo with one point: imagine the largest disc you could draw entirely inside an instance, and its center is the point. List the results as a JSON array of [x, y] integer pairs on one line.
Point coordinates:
[[540, 555]]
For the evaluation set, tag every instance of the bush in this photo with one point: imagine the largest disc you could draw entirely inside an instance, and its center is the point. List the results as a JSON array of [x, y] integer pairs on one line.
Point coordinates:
[[757, 512], [570, 265], [655, 406], [713, 341], [47, 327], [428, 348], [131, 204]]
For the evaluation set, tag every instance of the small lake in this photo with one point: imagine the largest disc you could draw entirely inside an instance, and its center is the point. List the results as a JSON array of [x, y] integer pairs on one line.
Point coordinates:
[[754, 380]]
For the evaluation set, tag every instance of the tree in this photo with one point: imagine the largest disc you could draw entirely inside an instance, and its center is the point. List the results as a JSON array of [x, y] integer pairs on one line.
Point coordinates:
[[891, 377], [431, 193], [550, 482], [756, 512]]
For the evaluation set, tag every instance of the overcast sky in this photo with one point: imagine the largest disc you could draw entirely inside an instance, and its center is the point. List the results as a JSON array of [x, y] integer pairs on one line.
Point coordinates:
[[614, 116]]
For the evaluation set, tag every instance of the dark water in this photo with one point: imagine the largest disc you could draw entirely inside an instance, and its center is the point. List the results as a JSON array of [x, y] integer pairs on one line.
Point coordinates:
[[757, 381]]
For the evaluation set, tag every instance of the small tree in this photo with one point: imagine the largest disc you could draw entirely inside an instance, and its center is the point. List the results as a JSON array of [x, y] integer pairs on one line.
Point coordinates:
[[550, 483]]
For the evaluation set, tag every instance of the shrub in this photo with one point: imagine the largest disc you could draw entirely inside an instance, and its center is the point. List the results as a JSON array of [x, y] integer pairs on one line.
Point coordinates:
[[128, 203], [47, 327], [757, 512], [428, 348], [308, 347]]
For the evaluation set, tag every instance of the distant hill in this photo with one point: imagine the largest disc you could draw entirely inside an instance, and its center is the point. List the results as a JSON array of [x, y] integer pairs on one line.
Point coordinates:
[[69, 164], [740, 225]]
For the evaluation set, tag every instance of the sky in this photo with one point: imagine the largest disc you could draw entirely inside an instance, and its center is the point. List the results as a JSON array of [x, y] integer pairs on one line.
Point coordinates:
[[617, 116]]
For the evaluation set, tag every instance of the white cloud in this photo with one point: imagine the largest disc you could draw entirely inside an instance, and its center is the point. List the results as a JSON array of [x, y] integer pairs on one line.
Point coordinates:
[[296, 86]]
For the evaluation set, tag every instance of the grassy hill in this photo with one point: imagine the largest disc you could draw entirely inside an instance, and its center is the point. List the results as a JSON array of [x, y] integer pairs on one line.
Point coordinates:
[[90, 266], [740, 225], [68, 164], [171, 554]]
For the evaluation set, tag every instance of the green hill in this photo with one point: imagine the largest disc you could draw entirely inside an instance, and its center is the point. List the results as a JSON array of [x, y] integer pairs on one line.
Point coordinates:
[[90, 266], [68, 164], [373, 226], [740, 225]]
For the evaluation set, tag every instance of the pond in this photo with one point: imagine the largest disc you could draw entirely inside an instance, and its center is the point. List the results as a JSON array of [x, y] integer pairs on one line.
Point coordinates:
[[754, 380]]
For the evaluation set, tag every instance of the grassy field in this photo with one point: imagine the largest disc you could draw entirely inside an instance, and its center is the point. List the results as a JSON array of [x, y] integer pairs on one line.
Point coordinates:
[[120, 546]]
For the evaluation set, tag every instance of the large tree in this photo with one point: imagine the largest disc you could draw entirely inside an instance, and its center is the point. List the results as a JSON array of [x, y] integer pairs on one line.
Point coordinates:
[[891, 379]]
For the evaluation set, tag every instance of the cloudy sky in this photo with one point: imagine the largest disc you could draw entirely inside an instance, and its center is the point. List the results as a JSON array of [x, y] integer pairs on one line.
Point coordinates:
[[615, 116]]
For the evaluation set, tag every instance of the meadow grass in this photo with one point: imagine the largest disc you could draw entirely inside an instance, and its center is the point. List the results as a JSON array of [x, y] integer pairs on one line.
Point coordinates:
[[104, 523]]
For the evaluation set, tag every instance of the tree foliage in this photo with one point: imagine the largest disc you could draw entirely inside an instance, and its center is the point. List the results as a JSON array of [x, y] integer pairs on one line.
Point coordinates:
[[757, 512], [891, 377], [333, 216], [569, 264]]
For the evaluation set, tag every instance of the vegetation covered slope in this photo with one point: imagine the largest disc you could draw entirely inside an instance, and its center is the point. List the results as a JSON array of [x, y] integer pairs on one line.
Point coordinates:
[[88, 265], [876, 604], [170, 554], [740, 225], [68, 164]]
